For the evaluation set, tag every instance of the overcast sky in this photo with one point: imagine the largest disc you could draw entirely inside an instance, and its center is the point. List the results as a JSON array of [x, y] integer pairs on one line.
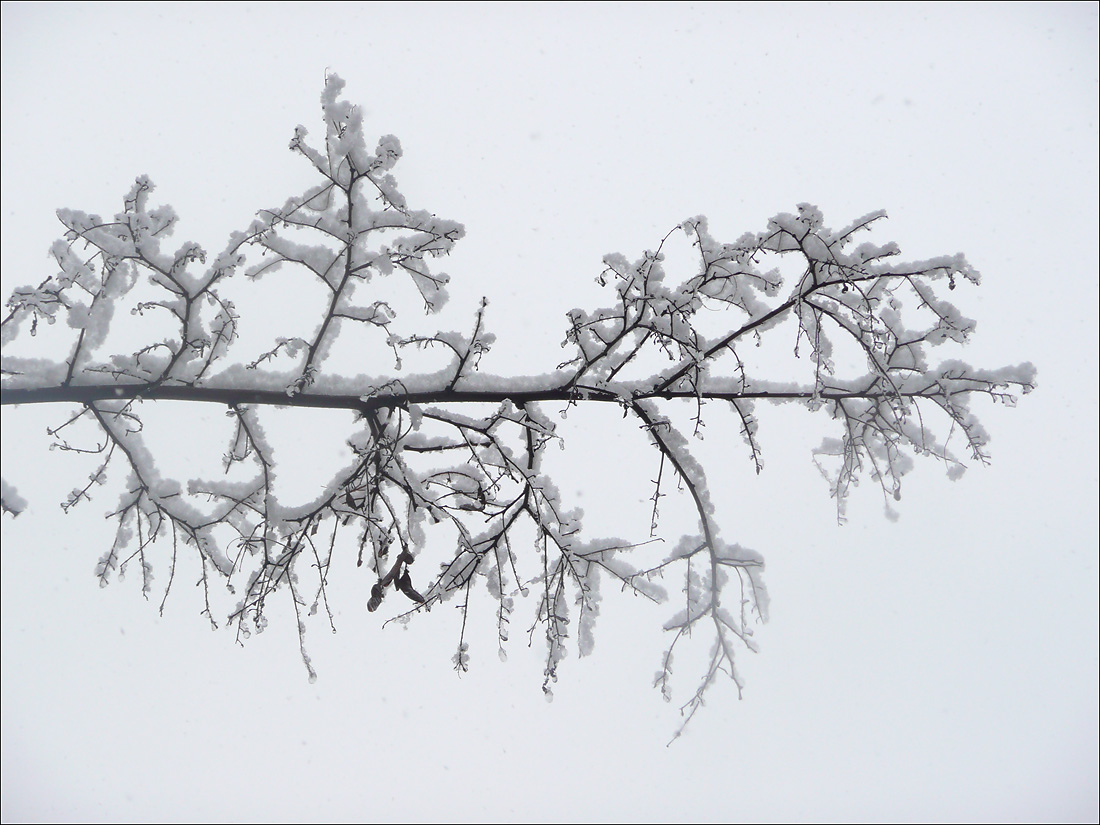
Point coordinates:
[[942, 666]]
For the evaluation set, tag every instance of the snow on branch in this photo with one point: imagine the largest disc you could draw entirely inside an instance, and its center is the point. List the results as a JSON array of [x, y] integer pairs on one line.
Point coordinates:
[[444, 492]]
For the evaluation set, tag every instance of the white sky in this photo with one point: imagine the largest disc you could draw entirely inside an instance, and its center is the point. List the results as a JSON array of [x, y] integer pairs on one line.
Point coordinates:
[[943, 666]]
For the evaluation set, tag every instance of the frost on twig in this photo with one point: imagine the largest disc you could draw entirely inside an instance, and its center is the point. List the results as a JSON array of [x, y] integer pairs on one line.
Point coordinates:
[[11, 500], [444, 493]]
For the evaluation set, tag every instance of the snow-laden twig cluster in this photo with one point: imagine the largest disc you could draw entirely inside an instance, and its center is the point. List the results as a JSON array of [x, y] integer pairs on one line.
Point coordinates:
[[462, 451]]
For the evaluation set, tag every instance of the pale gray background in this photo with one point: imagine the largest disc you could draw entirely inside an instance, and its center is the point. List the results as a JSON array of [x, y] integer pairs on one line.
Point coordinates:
[[942, 666]]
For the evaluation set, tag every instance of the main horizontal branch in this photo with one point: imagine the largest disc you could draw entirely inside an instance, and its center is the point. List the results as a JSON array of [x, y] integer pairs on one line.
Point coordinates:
[[391, 399]]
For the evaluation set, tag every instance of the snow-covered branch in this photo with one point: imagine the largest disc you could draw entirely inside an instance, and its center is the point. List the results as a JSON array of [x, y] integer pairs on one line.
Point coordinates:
[[448, 464]]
